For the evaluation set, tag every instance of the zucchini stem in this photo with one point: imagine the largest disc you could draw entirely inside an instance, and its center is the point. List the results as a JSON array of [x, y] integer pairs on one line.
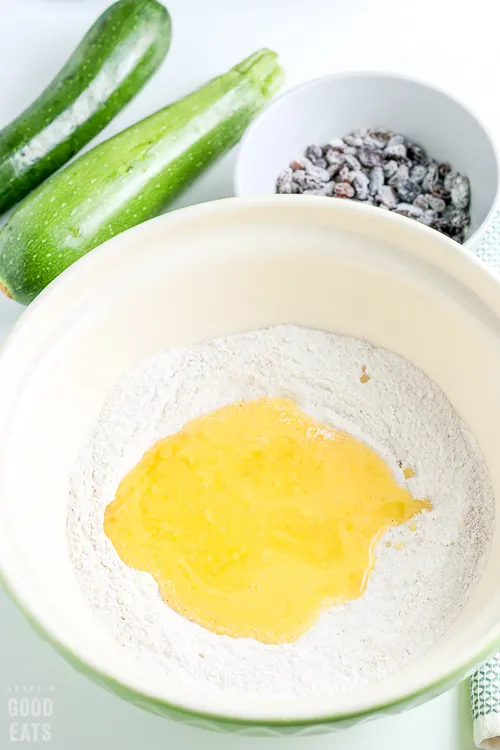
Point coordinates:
[[264, 69], [4, 290]]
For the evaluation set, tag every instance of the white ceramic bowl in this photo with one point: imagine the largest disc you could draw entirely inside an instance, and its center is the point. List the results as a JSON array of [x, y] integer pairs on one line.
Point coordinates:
[[316, 111], [211, 270]]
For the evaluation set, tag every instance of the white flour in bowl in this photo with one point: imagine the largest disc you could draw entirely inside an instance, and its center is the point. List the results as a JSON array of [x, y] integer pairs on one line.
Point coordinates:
[[420, 582]]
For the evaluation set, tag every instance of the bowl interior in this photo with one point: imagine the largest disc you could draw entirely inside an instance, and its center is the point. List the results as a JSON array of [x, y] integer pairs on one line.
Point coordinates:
[[175, 280], [333, 106]]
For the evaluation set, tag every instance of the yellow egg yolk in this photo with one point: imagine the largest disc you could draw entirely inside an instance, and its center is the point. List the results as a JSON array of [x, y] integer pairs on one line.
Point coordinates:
[[255, 517]]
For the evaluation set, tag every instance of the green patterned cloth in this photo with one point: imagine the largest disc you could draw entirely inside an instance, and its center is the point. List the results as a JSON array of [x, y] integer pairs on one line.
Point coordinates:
[[485, 700], [489, 247], [485, 683]]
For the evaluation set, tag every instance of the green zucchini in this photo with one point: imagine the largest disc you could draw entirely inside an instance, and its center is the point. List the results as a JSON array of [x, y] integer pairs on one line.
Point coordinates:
[[118, 55], [129, 178]]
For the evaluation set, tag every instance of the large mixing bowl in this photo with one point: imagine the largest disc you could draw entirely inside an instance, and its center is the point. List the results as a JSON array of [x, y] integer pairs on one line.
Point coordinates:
[[207, 271]]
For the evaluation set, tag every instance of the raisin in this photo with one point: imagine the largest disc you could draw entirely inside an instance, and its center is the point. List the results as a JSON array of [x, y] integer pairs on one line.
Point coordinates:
[[344, 190]]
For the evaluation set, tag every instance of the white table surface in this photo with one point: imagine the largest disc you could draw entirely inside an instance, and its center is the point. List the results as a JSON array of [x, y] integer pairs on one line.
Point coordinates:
[[430, 39]]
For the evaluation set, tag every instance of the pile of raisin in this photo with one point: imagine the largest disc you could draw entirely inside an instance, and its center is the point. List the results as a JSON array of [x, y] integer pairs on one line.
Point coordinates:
[[388, 170]]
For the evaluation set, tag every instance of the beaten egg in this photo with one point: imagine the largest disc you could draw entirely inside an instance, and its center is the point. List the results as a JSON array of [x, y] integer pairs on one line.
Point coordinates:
[[256, 517]]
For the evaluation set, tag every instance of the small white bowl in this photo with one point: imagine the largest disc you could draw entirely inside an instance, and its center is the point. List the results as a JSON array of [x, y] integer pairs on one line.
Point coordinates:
[[334, 105]]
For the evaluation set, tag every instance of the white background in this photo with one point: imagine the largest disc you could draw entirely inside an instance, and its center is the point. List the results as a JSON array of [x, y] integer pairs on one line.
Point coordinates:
[[431, 39]]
